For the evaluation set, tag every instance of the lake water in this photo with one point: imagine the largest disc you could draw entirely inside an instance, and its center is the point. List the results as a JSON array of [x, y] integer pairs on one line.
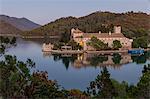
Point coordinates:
[[77, 71]]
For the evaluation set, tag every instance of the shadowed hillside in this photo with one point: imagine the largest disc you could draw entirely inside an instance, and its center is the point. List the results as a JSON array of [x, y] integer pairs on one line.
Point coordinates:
[[6, 28], [20, 23], [133, 24]]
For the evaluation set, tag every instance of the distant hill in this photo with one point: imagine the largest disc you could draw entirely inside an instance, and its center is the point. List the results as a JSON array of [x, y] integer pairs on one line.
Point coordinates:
[[133, 24], [20, 23], [6, 28]]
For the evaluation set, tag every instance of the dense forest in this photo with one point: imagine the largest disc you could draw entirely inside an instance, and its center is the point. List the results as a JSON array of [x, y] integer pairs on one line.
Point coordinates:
[[134, 24]]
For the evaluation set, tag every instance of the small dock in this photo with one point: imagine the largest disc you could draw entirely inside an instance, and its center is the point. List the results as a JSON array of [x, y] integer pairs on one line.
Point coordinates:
[[90, 52], [66, 52], [107, 52], [148, 49]]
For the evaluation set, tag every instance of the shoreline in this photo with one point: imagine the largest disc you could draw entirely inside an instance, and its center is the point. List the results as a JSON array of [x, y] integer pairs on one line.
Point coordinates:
[[28, 37], [90, 52]]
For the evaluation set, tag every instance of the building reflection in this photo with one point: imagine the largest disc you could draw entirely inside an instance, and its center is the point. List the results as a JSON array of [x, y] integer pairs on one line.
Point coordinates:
[[47, 54], [88, 60], [91, 60]]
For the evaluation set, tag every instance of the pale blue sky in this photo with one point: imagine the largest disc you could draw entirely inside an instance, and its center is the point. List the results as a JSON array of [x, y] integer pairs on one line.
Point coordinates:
[[44, 11]]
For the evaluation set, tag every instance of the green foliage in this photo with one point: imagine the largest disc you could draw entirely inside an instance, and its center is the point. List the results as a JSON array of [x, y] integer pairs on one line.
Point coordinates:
[[116, 58], [75, 45], [102, 87], [15, 76], [72, 43], [77, 94], [13, 40], [141, 32], [65, 37], [41, 87], [142, 89], [139, 59], [65, 60], [116, 44], [57, 45], [133, 24], [97, 44], [143, 85], [98, 59], [141, 42], [121, 89], [131, 91], [4, 41], [2, 49], [146, 68], [18, 82]]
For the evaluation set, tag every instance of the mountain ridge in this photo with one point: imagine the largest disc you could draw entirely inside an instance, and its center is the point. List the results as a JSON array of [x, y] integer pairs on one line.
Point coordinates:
[[6, 28], [132, 23], [22, 24]]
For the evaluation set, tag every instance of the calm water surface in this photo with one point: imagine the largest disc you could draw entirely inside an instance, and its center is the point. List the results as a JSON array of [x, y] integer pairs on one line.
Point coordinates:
[[77, 72]]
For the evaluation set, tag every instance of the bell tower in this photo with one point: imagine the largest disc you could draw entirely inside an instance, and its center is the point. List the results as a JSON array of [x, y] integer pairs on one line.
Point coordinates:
[[117, 29]]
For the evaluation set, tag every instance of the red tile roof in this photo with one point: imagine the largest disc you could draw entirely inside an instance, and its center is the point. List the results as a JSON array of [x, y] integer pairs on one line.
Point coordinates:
[[103, 35]]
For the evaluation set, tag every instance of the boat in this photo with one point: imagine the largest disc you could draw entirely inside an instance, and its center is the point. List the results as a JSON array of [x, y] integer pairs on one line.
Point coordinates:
[[136, 51]]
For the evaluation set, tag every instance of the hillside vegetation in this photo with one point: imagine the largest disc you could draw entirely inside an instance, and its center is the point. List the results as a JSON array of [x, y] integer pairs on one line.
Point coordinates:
[[133, 24]]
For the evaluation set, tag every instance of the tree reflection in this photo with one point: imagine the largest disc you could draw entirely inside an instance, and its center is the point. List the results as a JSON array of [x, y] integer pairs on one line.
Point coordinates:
[[147, 54], [139, 59], [66, 60], [98, 59], [116, 58], [56, 57]]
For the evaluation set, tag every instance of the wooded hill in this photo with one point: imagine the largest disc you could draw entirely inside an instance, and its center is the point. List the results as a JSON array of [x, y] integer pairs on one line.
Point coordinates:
[[133, 24]]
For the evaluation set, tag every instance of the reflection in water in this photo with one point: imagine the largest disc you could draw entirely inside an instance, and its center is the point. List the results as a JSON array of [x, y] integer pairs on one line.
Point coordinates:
[[73, 77], [98, 59], [141, 58], [45, 54], [103, 60], [87, 59], [66, 59], [116, 58]]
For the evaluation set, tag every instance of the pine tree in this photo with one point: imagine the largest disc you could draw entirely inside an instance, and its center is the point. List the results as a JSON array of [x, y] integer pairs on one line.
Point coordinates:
[[143, 85], [102, 87]]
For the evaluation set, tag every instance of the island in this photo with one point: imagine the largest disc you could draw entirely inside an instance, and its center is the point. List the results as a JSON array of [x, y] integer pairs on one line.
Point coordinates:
[[107, 43]]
